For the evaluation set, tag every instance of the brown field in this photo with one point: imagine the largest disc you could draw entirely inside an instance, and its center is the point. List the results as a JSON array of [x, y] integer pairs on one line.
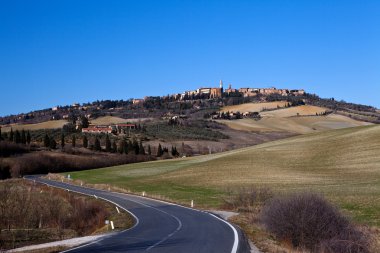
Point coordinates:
[[254, 107], [114, 120], [52, 124], [303, 110], [297, 125]]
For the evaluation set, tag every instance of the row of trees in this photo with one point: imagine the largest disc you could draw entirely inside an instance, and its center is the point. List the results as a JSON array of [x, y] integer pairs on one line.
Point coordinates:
[[19, 137]]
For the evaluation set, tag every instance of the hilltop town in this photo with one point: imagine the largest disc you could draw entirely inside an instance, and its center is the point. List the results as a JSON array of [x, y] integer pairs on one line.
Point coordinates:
[[220, 92], [188, 102]]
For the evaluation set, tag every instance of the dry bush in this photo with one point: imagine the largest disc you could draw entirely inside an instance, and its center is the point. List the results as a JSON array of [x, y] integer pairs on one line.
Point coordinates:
[[350, 240], [9, 148], [246, 198], [45, 162], [308, 221], [26, 207]]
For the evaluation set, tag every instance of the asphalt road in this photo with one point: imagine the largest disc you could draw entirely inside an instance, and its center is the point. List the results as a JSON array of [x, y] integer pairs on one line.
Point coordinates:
[[160, 227]]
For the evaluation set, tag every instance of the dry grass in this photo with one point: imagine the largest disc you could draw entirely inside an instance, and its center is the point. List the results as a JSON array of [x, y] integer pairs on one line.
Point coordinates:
[[341, 164], [52, 124], [114, 120], [254, 107], [298, 125], [303, 110]]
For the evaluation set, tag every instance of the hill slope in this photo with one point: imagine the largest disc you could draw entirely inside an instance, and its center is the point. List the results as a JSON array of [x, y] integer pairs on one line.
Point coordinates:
[[342, 164]]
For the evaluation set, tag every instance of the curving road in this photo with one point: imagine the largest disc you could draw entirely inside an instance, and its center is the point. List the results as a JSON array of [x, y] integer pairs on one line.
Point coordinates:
[[160, 227]]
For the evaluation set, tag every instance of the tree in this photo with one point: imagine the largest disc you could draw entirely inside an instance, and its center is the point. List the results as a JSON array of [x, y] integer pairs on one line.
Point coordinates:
[[141, 149], [28, 138], [85, 141], [114, 147], [62, 140], [149, 150], [121, 146], [160, 152], [53, 144], [17, 137], [84, 122], [108, 144], [73, 141], [11, 134], [97, 146], [174, 151], [136, 147], [46, 140], [23, 137]]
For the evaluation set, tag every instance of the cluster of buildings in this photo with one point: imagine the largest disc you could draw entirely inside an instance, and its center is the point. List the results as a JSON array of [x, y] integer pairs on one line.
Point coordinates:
[[109, 129], [245, 92]]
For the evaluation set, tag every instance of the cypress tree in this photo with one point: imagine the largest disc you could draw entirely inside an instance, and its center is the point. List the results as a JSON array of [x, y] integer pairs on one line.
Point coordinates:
[[46, 141], [108, 144], [53, 144], [73, 141], [149, 150], [28, 138], [126, 146], [136, 147], [97, 144], [120, 148], [141, 149], [85, 141], [114, 147], [11, 134], [62, 140], [159, 150], [23, 137], [17, 137]]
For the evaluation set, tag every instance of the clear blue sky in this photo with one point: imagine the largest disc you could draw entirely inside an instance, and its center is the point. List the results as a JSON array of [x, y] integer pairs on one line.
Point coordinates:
[[60, 52]]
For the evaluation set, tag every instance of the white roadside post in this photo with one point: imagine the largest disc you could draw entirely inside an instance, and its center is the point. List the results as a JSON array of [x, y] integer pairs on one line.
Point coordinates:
[[117, 209], [143, 193], [112, 226], [192, 203]]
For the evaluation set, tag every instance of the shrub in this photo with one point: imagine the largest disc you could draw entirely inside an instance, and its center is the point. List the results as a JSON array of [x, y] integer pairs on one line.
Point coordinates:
[[246, 197], [9, 149], [349, 240], [309, 221]]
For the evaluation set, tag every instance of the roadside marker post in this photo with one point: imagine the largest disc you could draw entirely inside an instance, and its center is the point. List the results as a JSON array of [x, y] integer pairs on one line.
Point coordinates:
[[117, 209], [143, 193], [192, 203], [112, 226]]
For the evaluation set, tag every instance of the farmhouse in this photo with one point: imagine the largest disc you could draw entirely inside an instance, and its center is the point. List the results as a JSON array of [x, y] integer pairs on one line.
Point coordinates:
[[98, 129]]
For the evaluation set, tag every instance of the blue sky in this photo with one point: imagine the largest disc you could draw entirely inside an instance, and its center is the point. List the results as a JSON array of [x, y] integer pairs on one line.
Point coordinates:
[[60, 52]]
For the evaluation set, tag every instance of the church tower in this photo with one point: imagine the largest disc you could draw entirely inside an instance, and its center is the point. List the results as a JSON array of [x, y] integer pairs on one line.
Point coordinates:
[[221, 86]]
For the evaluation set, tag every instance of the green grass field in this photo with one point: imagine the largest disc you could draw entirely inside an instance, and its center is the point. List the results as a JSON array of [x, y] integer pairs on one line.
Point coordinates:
[[343, 164]]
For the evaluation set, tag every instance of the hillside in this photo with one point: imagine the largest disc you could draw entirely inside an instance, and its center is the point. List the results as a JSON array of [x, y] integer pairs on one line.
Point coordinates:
[[114, 120], [51, 124], [342, 164], [298, 125], [254, 107], [298, 119]]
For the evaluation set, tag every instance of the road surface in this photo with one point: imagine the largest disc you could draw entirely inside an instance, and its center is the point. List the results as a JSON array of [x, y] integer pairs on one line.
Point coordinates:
[[160, 227]]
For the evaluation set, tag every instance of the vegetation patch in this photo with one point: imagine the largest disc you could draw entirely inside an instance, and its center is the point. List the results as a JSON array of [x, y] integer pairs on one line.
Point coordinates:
[[33, 214]]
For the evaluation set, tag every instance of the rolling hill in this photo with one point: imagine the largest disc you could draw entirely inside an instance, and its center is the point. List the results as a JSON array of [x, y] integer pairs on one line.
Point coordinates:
[[52, 124], [342, 164], [299, 120]]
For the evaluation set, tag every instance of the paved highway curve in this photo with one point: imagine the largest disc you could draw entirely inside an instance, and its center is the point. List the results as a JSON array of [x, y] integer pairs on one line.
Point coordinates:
[[160, 227]]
